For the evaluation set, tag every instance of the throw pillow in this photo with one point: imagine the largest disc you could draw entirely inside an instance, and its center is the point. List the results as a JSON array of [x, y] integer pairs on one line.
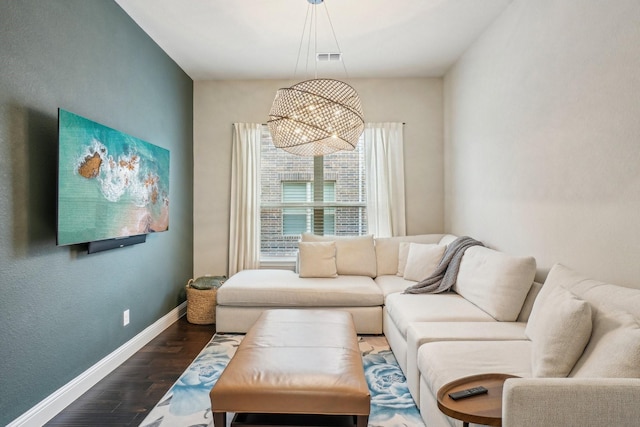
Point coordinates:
[[317, 259], [559, 276], [422, 260], [403, 253], [614, 348], [355, 256], [563, 330]]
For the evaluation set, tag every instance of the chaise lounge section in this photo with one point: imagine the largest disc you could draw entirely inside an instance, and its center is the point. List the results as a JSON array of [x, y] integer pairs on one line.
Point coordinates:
[[248, 293], [357, 283]]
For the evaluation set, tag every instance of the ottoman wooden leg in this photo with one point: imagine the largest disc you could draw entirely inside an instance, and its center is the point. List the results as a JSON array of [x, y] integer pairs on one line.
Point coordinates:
[[220, 419], [362, 420]]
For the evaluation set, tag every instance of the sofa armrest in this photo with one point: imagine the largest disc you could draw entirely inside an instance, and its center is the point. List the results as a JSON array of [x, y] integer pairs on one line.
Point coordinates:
[[552, 402]]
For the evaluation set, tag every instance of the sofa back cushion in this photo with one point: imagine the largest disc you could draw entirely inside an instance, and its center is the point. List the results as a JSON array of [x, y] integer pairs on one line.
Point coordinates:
[[387, 250], [529, 301], [614, 349], [447, 239], [403, 254], [494, 281], [559, 334], [355, 255]]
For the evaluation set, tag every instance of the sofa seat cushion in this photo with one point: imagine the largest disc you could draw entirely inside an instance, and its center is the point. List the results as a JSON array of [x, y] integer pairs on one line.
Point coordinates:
[[424, 332], [494, 281], [284, 288], [390, 284], [442, 362], [446, 307]]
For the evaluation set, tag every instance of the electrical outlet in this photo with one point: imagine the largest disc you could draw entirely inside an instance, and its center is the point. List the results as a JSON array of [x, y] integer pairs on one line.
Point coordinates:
[[125, 317]]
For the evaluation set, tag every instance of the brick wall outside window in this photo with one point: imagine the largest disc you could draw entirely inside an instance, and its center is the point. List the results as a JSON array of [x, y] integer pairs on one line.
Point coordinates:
[[345, 168]]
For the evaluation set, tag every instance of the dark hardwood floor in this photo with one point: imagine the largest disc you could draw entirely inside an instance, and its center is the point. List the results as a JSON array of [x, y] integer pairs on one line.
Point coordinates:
[[125, 397]]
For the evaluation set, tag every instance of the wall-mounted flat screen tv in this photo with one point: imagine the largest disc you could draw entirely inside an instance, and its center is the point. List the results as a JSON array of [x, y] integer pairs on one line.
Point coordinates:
[[110, 185]]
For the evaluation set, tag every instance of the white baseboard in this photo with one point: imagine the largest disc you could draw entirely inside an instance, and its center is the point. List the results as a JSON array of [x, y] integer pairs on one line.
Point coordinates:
[[65, 395]]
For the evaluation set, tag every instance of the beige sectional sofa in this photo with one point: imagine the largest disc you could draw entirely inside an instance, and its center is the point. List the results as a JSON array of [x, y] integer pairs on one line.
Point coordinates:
[[574, 342]]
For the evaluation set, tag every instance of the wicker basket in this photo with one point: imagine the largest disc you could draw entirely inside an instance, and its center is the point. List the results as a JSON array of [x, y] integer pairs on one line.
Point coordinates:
[[201, 305]]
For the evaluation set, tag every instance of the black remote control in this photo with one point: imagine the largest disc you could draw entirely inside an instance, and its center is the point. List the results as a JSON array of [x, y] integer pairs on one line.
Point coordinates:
[[468, 393]]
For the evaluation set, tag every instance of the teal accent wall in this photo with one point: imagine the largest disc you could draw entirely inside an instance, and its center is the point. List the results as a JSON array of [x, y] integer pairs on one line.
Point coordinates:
[[61, 309]]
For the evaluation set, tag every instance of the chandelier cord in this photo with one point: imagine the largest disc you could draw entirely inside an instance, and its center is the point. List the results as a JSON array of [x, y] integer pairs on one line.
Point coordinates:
[[313, 26], [315, 43], [335, 38], [304, 28]]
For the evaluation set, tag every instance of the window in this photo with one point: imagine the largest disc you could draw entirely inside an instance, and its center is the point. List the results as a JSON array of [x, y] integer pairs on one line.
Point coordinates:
[[297, 220], [289, 205]]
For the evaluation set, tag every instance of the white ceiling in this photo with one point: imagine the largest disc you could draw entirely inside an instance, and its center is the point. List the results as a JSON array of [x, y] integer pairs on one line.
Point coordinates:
[[259, 39]]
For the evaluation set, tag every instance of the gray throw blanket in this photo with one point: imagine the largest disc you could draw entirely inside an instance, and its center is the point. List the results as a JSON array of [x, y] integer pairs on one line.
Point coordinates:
[[445, 275]]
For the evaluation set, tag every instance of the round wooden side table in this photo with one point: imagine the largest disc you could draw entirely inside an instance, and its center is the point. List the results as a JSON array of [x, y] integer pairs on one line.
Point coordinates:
[[483, 409]]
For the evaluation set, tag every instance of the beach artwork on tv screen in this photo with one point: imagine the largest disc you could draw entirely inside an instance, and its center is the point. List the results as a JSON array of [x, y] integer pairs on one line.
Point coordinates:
[[110, 184]]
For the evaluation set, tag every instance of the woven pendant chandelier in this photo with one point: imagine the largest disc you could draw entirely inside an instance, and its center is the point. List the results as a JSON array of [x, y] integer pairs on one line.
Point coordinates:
[[316, 117]]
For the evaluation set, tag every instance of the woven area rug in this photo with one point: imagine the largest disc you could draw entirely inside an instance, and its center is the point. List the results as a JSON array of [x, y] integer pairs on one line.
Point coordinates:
[[186, 404]]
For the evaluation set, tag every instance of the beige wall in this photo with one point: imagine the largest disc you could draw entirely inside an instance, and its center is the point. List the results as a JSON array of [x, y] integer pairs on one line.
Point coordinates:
[[542, 140], [218, 104]]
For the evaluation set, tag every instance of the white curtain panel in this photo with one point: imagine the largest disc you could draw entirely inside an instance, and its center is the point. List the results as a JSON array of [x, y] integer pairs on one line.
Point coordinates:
[[244, 227], [384, 165]]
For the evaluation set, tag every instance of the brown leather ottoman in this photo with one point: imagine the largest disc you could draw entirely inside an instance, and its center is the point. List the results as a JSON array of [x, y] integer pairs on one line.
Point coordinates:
[[295, 362]]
